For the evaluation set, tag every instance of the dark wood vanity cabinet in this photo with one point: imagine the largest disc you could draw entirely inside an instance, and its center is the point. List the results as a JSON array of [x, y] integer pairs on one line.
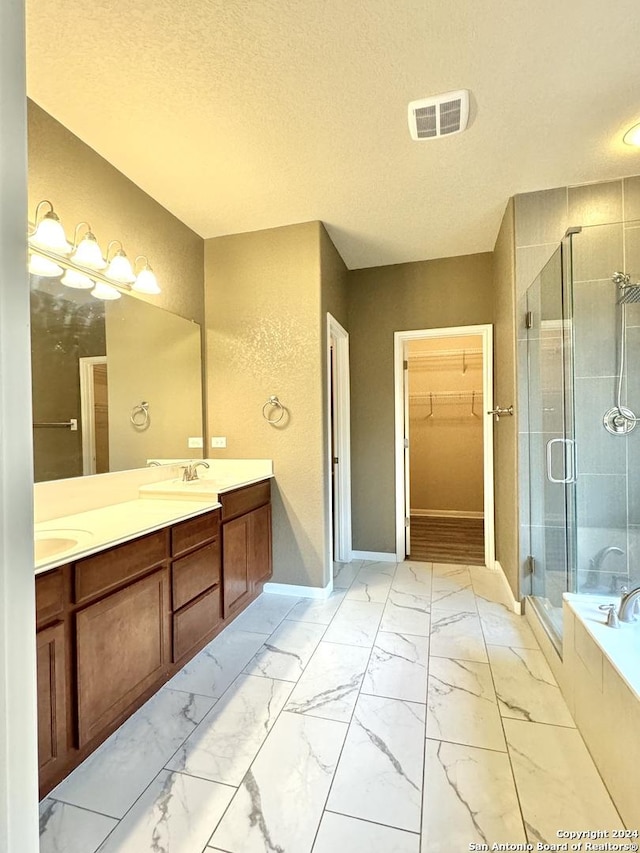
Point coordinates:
[[53, 696], [246, 544], [196, 576], [112, 628], [122, 649]]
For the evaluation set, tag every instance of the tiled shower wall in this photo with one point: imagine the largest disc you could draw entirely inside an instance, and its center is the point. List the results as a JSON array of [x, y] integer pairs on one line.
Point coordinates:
[[608, 487]]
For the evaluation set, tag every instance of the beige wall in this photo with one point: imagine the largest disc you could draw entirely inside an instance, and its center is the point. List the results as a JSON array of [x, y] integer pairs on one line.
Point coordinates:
[[152, 356], [264, 337], [83, 186], [383, 300], [445, 433], [505, 394]]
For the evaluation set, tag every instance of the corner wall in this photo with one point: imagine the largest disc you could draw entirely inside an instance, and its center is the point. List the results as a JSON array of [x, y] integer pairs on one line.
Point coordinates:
[[264, 337], [383, 300], [505, 394]]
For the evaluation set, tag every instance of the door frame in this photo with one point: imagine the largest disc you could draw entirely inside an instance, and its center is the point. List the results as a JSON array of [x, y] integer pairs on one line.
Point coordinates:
[[400, 340], [87, 411], [339, 336]]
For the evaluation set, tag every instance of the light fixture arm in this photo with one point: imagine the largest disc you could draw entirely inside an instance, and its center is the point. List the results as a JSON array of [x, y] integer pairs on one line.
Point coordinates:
[[111, 243], [39, 205], [76, 234]]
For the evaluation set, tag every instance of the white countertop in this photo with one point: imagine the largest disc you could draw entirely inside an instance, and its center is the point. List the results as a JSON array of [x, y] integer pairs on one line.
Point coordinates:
[[101, 528], [621, 646], [195, 490], [88, 514]]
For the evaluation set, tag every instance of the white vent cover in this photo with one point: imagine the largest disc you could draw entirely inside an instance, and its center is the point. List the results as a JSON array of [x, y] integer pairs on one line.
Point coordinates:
[[441, 115]]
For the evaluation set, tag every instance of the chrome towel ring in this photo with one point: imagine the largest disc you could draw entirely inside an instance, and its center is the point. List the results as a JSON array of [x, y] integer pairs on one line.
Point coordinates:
[[268, 413], [140, 415]]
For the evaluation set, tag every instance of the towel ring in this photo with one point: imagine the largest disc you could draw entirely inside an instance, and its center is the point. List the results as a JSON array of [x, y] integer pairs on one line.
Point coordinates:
[[140, 415], [275, 404]]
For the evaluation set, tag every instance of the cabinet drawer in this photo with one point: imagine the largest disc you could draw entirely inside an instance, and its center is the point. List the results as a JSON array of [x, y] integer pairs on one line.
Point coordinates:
[[110, 569], [194, 622], [49, 597], [195, 573], [244, 500], [196, 531]]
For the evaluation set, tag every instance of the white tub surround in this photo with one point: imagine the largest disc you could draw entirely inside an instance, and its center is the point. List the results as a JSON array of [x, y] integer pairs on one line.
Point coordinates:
[[601, 683]]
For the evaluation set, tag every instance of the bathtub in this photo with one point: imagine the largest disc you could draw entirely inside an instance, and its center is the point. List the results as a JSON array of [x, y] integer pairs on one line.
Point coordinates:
[[600, 678]]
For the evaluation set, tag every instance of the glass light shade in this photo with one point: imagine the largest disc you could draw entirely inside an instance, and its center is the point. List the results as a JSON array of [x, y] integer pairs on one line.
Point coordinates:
[[72, 278], [105, 291], [146, 281], [120, 269], [88, 253], [44, 267], [632, 136], [49, 234]]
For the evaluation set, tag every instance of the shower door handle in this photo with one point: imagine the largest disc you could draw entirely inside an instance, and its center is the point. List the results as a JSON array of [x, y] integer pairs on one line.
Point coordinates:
[[569, 463]]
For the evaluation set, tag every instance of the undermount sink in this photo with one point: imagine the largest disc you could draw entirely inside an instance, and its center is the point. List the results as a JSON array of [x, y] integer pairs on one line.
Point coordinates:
[[50, 543], [200, 489]]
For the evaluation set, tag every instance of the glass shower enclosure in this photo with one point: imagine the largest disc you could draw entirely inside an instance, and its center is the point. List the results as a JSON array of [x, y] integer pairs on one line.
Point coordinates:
[[583, 391]]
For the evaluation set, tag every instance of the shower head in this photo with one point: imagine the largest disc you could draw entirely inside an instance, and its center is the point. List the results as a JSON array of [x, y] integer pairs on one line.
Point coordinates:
[[628, 291]]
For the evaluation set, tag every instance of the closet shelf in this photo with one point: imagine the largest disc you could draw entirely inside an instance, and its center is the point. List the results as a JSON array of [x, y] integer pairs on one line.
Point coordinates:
[[449, 357], [458, 398]]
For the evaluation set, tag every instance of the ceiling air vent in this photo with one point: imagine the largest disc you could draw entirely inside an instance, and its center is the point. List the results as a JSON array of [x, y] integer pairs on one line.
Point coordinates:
[[441, 115]]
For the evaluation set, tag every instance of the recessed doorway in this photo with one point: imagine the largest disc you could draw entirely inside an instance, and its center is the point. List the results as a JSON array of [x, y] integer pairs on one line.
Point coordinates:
[[444, 445]]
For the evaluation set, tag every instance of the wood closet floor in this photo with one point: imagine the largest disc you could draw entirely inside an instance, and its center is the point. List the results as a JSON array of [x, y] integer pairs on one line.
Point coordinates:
[[447, 540]]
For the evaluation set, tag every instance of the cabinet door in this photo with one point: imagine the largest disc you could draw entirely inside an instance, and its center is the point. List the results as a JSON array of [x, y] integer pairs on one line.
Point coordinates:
[[235, 563], [123, 649], [52, 699], [260, 539]]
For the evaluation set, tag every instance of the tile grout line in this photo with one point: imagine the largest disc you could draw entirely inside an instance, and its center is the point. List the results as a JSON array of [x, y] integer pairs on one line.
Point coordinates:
[[506, 741], [353, 710]]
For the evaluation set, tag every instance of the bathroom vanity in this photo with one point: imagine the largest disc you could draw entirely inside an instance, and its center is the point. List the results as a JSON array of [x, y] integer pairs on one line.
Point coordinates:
[[114, 626]]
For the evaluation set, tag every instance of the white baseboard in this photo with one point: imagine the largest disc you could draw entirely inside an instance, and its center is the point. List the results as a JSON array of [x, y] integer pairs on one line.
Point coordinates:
[[375, 556], [300, 591], [513, 602], [445, 513]]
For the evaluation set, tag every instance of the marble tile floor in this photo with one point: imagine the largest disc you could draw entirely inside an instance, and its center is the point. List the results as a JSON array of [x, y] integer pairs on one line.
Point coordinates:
[[410, 712]]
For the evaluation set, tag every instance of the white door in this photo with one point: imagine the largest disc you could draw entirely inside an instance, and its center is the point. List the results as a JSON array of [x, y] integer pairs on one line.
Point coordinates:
[[407, 449]]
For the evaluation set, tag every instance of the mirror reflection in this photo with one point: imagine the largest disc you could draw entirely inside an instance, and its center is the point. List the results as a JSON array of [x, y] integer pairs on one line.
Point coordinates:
[[115, 384]]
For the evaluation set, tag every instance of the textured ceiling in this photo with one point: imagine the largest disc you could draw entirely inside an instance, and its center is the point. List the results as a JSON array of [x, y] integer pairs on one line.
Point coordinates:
[[239, 115]]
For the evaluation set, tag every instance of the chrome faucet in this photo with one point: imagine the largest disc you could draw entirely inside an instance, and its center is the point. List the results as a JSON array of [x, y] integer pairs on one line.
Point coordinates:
[[191, 471], [595, 564], [629, 606]]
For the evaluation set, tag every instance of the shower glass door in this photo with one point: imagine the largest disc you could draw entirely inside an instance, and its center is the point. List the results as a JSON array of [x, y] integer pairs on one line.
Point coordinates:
[[551, 442]]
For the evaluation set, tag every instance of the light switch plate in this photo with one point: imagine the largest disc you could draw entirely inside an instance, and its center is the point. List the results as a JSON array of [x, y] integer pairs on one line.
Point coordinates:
[[218, 441], [195, 441]]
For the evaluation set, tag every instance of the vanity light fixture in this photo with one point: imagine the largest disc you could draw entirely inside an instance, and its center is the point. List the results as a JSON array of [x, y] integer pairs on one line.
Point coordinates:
[[49, 233], [105, 291], [87, 253], [44, 267], [632, 136], [145, 280], [82, 264], [78, 280], [119, 268]]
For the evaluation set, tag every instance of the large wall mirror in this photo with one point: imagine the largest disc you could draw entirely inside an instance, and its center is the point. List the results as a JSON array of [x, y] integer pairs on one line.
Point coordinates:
[[115, 384]]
